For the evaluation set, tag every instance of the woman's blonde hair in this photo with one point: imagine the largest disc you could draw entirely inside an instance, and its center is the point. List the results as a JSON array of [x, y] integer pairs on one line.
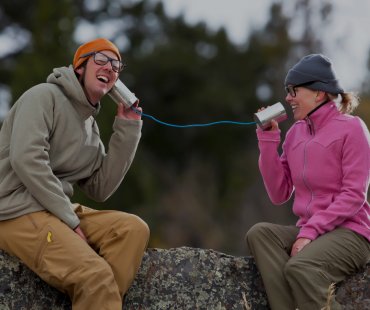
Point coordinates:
[[348, 102]]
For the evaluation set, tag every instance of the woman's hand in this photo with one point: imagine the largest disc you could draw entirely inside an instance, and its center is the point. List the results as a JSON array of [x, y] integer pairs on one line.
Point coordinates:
[[274, 124], [298, 245], [129, 113]]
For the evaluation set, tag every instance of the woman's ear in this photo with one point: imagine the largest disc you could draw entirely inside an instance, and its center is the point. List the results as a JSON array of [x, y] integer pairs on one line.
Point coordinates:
[[320, 95]]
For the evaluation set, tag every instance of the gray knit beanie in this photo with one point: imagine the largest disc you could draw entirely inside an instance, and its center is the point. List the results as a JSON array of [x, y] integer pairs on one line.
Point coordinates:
[[316, 69]]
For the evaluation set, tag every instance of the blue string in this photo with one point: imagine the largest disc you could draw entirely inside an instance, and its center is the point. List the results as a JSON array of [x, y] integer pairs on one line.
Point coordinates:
[[191, 125]]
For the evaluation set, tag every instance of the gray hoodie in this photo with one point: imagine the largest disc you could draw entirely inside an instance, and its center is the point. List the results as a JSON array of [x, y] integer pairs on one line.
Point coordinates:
[[50, 141]]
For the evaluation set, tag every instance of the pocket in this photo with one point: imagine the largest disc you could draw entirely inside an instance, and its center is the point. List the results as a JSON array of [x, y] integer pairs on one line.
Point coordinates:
[[46, 238], [364, 245], [320, 202], [80, 209]]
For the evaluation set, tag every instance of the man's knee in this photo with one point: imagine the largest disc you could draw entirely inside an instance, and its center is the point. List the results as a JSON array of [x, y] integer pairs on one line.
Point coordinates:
[[132, 224]]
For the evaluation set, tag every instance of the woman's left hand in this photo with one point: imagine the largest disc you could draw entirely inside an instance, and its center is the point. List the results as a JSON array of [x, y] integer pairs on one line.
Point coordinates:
[[298, 245]]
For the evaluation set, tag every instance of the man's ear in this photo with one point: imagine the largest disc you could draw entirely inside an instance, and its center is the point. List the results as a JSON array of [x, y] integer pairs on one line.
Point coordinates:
[[80, 70]]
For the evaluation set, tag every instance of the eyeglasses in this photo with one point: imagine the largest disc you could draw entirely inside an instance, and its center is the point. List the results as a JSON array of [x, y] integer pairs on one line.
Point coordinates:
[[291, 89], [102, 59]]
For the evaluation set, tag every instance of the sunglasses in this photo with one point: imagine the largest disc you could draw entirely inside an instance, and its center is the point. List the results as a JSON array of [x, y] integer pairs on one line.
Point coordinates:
[[101, 59]]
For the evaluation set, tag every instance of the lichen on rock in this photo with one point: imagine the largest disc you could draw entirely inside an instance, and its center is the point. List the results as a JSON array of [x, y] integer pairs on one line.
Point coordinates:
[[178, 278]]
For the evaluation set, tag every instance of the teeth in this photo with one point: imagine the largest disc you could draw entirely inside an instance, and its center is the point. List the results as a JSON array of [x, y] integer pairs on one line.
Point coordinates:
[[103, 78]]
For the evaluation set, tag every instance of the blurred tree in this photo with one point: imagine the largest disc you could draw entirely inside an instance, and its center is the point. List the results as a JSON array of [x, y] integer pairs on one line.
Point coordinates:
[[196, 186], [44, 32]]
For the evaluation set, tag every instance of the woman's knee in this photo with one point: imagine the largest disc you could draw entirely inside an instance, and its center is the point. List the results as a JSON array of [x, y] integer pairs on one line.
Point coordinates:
[[256, 231]]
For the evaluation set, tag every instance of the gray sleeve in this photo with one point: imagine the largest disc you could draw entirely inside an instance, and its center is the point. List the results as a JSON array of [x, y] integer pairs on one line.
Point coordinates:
[[116, 162]]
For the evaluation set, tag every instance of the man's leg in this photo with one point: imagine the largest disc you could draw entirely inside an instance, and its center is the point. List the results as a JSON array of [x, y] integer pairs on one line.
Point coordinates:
[[270, 245], [61, 258], [120, 238]]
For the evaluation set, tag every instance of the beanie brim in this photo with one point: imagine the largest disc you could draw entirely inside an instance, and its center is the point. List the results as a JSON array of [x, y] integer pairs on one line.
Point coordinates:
[[96, 45], [295, 77], [326, 87]]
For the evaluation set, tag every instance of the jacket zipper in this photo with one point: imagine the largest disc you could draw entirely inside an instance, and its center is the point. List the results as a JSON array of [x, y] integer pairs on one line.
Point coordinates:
[[312, 133]]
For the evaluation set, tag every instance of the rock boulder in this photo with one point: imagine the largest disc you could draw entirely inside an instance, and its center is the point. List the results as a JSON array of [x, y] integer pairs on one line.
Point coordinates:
[[178, 278]]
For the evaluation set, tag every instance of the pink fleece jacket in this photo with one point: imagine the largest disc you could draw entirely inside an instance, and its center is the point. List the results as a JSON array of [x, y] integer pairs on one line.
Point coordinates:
[[325, 162]]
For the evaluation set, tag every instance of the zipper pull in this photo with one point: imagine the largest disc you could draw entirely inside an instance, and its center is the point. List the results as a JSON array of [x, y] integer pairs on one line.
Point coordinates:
[[310, 126]]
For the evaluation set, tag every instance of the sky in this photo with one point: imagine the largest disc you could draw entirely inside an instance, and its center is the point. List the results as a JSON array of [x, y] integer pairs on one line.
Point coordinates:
[[346, 40]]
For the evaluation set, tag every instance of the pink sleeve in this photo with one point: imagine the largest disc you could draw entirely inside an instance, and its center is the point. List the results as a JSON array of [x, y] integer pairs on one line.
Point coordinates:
[[274, 168]]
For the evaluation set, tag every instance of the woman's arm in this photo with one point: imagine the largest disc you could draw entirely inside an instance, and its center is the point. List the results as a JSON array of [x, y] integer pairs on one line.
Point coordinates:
[[274, 168]]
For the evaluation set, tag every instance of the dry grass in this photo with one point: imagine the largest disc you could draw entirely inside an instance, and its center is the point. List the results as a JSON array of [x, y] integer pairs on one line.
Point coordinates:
[[331, 294], [246, 304]]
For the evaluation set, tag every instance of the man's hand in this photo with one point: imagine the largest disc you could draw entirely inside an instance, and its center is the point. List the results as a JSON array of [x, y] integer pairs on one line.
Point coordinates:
[[298, 245], [129, 113], [79, 232]]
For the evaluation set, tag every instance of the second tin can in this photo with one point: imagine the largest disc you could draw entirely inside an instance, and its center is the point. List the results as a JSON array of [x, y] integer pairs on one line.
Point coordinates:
[[275, 112]]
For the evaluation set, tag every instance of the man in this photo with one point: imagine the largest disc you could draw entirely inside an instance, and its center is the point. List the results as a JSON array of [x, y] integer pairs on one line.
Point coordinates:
[[49, 142]]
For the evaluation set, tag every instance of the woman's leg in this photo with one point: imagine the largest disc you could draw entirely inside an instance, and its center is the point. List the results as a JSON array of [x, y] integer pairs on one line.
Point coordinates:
[[62, 259], [120, 238], [326, 260], [270, 245]]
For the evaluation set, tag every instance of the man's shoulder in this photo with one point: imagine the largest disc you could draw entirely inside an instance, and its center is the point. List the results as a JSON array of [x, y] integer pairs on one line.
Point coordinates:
[[43, 94]]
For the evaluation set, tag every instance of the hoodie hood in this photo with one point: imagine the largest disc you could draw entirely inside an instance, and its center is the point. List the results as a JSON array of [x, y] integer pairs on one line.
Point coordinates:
[[66, 79]]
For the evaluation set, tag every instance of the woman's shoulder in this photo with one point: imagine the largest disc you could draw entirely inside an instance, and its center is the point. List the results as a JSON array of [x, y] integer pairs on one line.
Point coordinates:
[[351, 126], [350, 122]]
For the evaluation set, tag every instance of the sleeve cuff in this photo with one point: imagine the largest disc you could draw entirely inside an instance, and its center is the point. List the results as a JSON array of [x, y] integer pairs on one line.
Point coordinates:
[[270, 135]]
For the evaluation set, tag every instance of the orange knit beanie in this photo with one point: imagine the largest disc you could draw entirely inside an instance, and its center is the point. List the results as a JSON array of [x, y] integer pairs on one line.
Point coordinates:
[[93, 46]]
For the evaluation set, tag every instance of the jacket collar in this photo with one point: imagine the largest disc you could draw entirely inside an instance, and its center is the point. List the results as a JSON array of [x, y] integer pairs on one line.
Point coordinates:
[[318, 117], [85, 109]]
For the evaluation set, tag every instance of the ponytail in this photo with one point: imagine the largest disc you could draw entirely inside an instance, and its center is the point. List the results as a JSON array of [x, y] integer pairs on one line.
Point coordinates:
[[349, 102]]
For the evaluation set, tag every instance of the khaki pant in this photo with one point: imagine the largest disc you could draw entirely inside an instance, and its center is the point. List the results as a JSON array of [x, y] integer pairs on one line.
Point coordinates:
[[94, 275], [302, 281]]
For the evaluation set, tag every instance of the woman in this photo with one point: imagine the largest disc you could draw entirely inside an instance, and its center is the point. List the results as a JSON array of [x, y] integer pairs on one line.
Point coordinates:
[[325, 162]]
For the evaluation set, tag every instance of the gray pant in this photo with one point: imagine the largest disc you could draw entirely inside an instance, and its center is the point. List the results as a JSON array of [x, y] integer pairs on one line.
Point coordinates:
[[303, 280]]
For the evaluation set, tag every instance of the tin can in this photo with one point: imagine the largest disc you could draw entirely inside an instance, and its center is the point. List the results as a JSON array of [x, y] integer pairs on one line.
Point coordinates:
[[120, 93], [275, 112]]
